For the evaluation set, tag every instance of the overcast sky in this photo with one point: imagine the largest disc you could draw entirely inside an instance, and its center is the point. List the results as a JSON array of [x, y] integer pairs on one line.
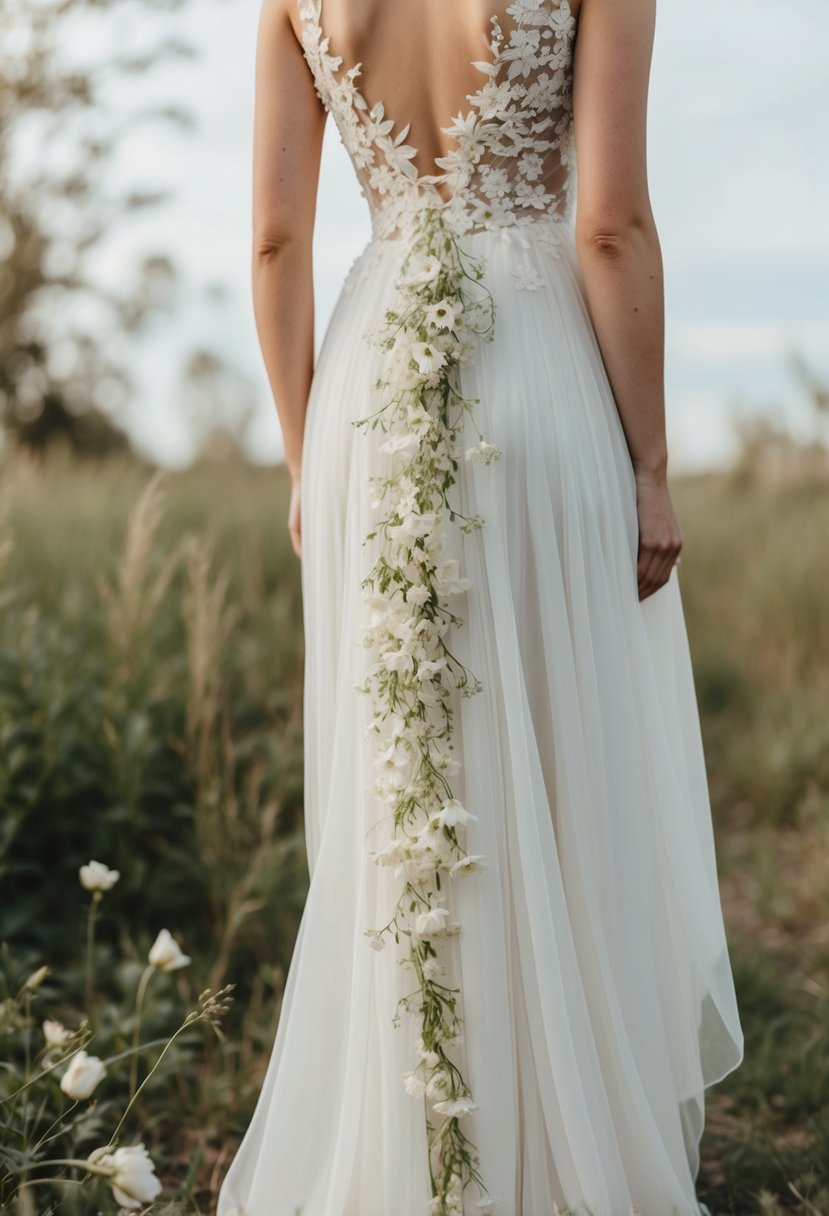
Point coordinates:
[[739, 172]]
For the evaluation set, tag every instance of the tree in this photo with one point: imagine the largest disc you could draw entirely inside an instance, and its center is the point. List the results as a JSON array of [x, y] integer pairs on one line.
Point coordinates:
[[60, 374]]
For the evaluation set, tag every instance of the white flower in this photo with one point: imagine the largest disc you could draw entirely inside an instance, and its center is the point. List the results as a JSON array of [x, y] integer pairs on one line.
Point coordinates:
[[392, 855], [483, 452], [428, 358], [418, 420], [430, 668], [448, 579], [376, 940], [433, 921], [433, 969], [97, 877], [438, 1084], [417, 595], [442, 315], [423, 268], [131, 1175], [414, 1083], [55, 1033], [413, 525], [406, 441], [394, 757], [453, 813], [456, 1107], [430, 1058], [82, 1076], [469, 864], [165, 953]]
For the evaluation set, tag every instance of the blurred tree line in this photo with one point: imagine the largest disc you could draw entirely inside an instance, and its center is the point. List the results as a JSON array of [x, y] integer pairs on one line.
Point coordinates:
[[62, 368]]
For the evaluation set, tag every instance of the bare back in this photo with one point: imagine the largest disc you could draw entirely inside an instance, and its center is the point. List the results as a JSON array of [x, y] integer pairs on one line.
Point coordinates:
[[468, 102]]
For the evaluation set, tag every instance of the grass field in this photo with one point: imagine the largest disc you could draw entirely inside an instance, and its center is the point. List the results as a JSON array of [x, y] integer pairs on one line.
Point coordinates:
[[150, 712]]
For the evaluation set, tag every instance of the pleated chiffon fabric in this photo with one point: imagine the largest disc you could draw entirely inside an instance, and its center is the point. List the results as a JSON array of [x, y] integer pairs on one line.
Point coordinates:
[[590, 969], [597, 993]]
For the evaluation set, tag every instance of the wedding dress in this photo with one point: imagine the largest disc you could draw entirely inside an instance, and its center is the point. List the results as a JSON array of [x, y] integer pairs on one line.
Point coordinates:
[[503, 764]]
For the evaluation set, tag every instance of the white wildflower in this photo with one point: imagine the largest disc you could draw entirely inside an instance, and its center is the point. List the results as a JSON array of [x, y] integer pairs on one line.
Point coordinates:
[[166, 954], [470, 864], [483, 452], [442, 315], [95, 876], [422, 268], [414, 1083], [428, 357], [453, 813], [83, 1076], [131, 1175], [433, 921], [55, 1033], [455, 1108]]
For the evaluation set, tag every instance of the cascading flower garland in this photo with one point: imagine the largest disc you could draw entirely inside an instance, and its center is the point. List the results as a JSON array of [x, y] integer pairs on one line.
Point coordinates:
[[442, 311]]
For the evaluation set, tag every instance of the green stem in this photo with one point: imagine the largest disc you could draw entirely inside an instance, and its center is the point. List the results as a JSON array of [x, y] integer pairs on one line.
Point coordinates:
[[189, 1021], [90, 955], [136, 1035]]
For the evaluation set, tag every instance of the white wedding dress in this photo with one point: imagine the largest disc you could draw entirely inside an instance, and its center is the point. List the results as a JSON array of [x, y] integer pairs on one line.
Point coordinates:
[[567, 990]]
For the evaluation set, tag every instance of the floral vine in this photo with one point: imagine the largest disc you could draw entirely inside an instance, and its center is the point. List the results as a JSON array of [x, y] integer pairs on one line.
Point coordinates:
[[442, 312]]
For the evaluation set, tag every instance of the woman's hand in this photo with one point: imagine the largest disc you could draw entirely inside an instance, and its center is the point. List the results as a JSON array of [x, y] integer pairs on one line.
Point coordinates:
[[660, 538], [294, 521]]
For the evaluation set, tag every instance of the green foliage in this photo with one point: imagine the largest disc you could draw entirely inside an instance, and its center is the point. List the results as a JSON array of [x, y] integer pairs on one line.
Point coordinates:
[[58, 1131], [150, 717]]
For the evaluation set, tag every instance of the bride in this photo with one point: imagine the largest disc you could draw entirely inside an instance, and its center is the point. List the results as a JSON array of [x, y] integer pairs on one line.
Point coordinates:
[[511, 986]]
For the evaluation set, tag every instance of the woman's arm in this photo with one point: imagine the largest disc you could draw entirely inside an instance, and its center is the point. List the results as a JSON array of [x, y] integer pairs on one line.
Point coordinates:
[[620, 255], [287, 144]]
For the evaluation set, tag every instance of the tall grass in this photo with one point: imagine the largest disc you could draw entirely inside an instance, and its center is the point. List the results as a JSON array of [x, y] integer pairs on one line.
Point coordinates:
[[150, 714]]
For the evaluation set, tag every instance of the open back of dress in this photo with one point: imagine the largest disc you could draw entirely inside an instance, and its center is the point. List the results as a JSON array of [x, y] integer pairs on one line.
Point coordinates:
[[463, 102]]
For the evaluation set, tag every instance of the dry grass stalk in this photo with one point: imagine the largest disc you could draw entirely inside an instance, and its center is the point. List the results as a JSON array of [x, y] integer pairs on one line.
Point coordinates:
[[132, 601]]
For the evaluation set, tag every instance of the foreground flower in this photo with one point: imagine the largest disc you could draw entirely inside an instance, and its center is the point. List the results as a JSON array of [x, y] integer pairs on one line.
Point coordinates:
[[55, 1033], [95, 876], [166, 954], [130, 1173], [82, 1076]]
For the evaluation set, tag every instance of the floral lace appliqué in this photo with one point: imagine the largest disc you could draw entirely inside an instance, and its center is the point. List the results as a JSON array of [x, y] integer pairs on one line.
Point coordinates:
[[514, 142]]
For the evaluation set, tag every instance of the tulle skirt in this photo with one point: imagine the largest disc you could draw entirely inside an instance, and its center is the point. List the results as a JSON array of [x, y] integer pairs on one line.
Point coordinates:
[[597, 993]]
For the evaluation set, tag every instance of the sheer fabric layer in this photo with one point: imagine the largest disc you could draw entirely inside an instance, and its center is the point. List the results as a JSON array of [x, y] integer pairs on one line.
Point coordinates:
[[597, 993]]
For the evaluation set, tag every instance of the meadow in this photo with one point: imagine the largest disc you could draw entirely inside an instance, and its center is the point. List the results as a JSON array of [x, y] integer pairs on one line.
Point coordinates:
[[151, 718]]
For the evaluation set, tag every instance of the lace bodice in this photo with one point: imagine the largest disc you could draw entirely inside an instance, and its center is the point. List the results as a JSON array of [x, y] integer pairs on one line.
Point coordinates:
[[511, 158]]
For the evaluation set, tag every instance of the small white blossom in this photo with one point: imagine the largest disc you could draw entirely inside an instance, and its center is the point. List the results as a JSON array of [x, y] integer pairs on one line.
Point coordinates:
[[470, 864], [428, 357], [83, 1076], [166, 954], [131, 1173], [433, 969], [414, 1083], [95, 876], [453, 813], [456, 1107], [442, 315], [405, 442], [433, 921], [483, 452], [422, 269], [55, 1033]]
